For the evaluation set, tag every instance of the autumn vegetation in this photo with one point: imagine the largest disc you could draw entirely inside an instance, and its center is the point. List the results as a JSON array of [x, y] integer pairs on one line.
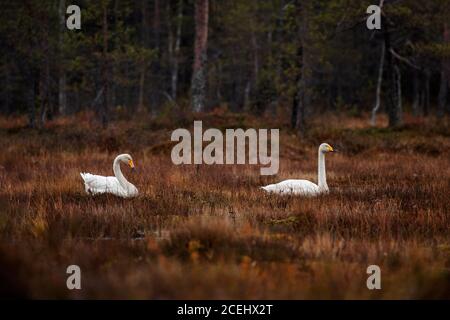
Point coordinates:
[[209, 231]]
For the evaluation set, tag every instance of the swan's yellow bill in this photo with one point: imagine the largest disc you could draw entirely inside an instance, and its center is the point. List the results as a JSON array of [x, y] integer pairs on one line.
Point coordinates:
[[330, 148], [130, 163]]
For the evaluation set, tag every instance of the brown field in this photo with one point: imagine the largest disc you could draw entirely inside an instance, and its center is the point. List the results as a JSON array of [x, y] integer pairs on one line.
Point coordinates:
[[208, 232]]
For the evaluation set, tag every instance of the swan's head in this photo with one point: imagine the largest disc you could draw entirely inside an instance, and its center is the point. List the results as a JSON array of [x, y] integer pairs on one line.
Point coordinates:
[[126, 158], [325, 147]]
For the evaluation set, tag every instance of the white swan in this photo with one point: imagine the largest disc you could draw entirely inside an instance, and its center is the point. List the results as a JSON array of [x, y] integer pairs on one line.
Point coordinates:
[[305, 187], [117, 185]]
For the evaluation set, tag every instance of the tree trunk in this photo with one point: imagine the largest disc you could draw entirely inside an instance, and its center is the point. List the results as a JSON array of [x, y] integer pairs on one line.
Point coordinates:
[[31, 96], [127, 96], [299, 107], [155, 69], [426, 107], [379, 83], [295, 104], [416, 93], [44, 87], [141, 88], [174, 78], [143, 67], [399, 107], [7, 87], [105, 106], [295, 119], [44, 78], [394, 113], [255, 59], [442, 98], [446, 66], [253, 83], [198, 84], [304, 94], [114, 67], [62, 97], [445, 73], [247, 96], [157, 24]]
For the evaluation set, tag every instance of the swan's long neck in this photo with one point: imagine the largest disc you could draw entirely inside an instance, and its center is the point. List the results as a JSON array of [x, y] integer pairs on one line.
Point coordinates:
[[322, 176], [118, 173]]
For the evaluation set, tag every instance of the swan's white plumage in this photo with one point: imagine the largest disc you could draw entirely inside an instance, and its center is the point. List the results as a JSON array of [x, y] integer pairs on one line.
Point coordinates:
[[304, 187], [117, 185], [294, 186], [95, 184]]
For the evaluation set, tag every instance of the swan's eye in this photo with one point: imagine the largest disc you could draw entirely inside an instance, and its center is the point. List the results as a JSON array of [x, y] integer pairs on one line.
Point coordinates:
[[130, 163]]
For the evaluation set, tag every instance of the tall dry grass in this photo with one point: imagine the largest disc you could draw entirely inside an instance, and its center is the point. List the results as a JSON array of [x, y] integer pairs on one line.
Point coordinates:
[[209, 231]]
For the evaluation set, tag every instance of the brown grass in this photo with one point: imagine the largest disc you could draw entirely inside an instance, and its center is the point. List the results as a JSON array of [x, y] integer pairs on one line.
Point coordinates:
[[208, 231]]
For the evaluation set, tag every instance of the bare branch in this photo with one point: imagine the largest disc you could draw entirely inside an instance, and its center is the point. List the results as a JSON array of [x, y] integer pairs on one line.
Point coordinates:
[[403, 59]]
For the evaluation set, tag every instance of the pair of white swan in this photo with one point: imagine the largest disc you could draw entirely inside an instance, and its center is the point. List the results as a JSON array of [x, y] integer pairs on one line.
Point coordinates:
[[120, 186]]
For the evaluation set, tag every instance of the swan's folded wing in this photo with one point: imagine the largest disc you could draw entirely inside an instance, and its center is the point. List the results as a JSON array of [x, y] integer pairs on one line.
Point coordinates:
[[98, 184], [293, 186]]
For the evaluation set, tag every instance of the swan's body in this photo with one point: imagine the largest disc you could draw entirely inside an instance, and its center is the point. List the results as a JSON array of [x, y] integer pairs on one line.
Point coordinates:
[[116, 185], [294, 186], [305, 187]]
